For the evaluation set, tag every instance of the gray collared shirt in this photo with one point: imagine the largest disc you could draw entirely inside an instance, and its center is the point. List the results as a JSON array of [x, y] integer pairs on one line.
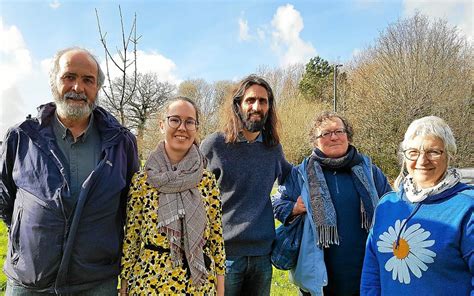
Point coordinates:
[[241, 139], [80, 157]]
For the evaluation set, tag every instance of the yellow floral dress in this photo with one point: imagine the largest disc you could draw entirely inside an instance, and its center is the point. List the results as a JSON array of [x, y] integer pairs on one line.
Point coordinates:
[[150, 272]]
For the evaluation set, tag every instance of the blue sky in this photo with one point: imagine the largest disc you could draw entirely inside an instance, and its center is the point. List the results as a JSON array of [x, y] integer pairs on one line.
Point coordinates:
[[213, 40]]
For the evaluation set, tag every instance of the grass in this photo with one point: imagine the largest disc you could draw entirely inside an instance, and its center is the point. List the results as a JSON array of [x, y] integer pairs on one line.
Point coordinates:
[[281, 285], [3, 255]]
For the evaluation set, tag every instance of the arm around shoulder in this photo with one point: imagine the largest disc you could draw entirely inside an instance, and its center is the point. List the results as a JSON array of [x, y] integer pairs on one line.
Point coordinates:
[[284, 200], [381, 182]]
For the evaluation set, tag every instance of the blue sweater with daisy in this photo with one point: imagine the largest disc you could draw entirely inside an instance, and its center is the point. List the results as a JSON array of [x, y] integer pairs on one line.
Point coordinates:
[[423, 248]]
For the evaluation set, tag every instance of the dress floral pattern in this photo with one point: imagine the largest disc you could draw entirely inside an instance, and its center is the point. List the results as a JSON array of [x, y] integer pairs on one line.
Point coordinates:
[[411, 254], [150, 272]]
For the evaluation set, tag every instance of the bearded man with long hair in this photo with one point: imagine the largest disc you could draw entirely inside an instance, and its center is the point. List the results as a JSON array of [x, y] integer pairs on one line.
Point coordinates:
[[246, 158]]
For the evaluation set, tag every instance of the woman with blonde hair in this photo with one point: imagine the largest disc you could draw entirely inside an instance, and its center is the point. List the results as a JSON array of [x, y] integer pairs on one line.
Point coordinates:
[[422, 241], [173, 242]]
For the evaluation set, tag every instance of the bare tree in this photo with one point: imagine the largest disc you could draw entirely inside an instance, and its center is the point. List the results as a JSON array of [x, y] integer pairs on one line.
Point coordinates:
[[284, 81], [209, 98], [116, 98], [417, 67], [149, 96]]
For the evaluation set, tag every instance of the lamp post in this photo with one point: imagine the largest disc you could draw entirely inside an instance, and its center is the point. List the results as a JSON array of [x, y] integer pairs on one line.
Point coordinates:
[[335, 83]]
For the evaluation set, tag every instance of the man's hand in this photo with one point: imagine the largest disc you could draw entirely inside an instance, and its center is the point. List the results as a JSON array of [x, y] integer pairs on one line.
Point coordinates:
[[299, 207]]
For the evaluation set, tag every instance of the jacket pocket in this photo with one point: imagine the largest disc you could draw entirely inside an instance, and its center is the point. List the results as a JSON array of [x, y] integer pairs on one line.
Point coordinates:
[[35, 242], [15, 236]]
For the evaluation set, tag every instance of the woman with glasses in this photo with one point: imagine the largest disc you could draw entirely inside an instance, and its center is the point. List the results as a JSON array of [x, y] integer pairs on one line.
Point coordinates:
[[336, 190], [422, 242], [173, 241]]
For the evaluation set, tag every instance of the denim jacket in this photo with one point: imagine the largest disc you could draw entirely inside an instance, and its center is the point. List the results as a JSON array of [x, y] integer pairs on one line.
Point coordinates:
[[310, 272]]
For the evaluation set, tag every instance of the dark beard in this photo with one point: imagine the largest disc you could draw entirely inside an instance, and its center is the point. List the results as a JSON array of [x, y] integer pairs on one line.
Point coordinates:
[[253, 126]]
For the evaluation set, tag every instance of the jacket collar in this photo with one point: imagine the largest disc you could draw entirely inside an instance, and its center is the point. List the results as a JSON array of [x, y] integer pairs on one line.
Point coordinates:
[[108, 127]]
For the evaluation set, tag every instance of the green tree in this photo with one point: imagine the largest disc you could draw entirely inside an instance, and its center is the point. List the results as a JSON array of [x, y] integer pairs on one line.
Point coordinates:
[[317, 80]]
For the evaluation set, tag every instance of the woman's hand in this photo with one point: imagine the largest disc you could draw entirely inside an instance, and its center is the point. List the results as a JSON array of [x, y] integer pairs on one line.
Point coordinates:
[[220, 285], [299, 207]]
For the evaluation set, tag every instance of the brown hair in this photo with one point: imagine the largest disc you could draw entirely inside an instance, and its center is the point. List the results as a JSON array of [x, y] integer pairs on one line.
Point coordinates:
[[234, 124], [325, 115]]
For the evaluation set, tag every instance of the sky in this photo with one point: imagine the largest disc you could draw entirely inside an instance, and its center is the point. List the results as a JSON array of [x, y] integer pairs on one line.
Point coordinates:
[[180, 40]]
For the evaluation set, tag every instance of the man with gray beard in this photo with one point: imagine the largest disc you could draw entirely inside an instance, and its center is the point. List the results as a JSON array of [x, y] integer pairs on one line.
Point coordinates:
[[64, 181]]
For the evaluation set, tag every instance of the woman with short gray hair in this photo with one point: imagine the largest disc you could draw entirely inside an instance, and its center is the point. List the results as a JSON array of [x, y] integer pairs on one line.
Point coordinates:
[[422, 240]]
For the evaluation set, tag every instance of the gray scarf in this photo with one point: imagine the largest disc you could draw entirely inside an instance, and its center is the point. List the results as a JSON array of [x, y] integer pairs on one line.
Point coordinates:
[[181, 211], [324, 213]]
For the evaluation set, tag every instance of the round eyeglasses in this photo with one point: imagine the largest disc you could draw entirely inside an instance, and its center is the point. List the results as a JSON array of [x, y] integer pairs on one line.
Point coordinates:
[[175, 122], [414, 154]]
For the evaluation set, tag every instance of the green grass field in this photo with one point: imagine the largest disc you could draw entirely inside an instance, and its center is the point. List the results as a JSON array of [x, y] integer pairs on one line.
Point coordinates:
[[281, 286]]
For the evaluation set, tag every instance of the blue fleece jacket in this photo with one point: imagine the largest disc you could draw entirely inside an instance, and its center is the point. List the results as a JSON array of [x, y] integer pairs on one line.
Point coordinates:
[[421, 248]]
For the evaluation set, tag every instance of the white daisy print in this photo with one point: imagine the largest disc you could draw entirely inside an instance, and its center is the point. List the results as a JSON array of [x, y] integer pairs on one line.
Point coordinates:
[[411, 254]]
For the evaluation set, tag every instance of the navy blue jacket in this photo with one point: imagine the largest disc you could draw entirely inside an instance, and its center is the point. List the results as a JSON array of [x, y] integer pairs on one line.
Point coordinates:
[[50, 249]]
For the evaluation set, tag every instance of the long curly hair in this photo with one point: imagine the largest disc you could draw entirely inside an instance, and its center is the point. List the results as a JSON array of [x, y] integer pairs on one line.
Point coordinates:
[[234, 124]]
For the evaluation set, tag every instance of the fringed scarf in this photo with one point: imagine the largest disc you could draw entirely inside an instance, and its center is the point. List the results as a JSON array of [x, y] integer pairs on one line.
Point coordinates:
[[181, 211], [323, 211]]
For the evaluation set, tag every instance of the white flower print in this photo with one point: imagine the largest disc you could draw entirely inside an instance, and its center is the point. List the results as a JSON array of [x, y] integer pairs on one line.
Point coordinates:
[[411, 254]]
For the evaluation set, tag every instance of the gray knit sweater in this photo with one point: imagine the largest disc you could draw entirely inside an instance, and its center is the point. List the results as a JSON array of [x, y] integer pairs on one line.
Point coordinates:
[[245, 174]]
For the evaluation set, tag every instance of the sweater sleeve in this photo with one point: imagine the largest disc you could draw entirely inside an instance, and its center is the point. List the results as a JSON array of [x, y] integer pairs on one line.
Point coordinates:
[[133, 228], [216, 238], [8, 188], [467, 244], [284, 200], [207, 149], [381, 182], [284, 165], [370, 280]]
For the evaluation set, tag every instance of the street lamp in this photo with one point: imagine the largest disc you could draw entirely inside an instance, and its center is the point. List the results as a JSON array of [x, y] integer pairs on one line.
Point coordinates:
[[335, 79]]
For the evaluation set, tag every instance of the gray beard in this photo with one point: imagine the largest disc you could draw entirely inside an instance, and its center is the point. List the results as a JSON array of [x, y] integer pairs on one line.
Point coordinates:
[[71, 111]]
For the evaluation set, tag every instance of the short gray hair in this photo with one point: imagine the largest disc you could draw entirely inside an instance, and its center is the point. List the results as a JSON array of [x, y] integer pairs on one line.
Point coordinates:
[[427, 126], [434, 126], [53, 73]]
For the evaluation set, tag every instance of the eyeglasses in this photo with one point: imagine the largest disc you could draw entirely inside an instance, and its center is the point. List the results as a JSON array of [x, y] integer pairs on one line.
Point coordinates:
[[175, 122], [328, 134], [413, 154]]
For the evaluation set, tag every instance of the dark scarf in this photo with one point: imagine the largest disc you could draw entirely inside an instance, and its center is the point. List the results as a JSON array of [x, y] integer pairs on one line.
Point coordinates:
[[181, 211], [324, 213]]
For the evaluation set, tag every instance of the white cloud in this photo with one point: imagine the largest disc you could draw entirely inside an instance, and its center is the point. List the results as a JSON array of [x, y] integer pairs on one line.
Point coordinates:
[[287, 25], [15, 65], [149, 63], [243, 30], [456, 12], [261, 34], [54, 4]]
